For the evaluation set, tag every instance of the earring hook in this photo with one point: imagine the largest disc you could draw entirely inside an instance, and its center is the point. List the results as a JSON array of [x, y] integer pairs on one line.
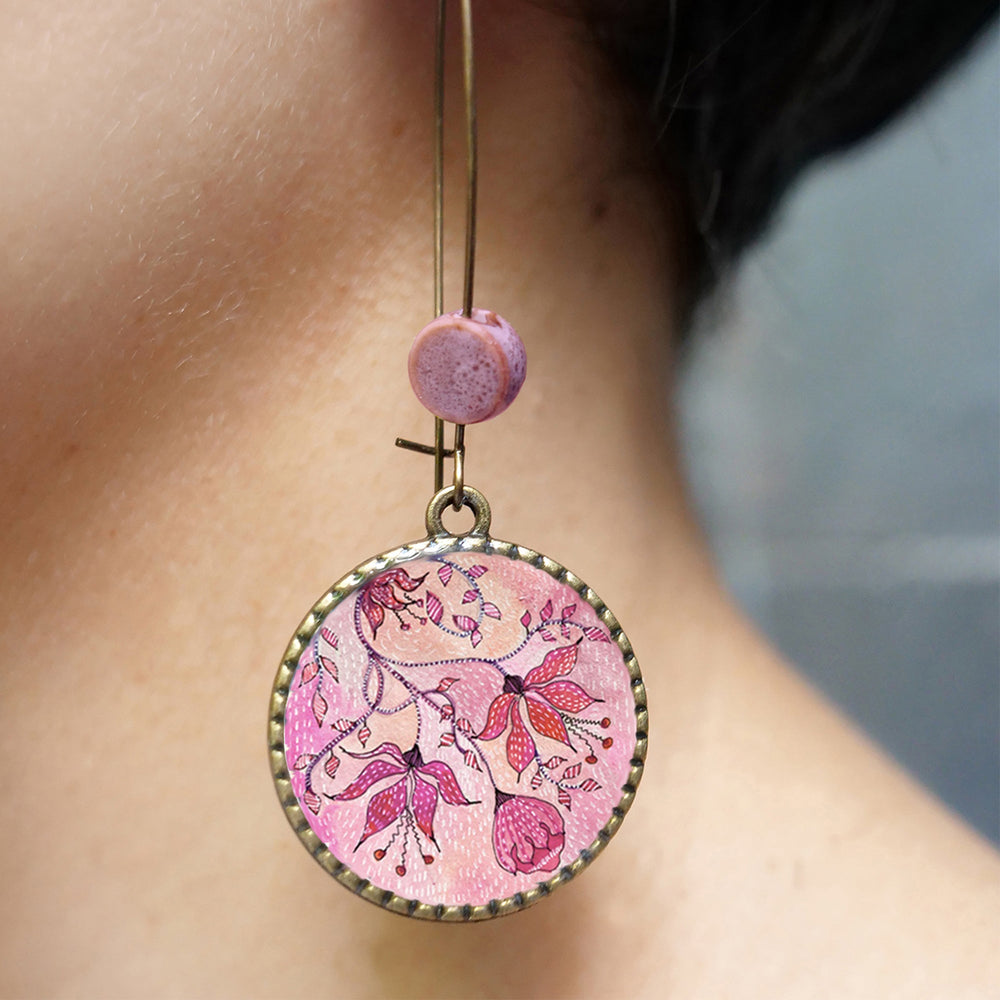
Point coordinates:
[[457, 453]]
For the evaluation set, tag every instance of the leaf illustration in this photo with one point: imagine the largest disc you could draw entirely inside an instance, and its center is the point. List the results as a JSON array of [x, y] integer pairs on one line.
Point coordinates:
[[572, 771], [329, 666], [447, 740], [312, 801], [526, 619], [363, 735], [309, 670], [463, 622], [331, 765], [303, 761], [536, 780], [546, 611], [476, 637], [555, 761], [319, 706], [469, 596], [444, 574], [343, 725], [546, 635], [447, 711], [568, 611], [464, 726], [491, 611], [476, 571], [446, 682], [471, 760], [589, 785], [329, 636], [564, 799], [434, 608], [594, 634]]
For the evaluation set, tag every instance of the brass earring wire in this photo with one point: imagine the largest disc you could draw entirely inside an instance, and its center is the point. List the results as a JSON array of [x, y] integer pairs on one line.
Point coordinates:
[[457, 453], [458, 726]]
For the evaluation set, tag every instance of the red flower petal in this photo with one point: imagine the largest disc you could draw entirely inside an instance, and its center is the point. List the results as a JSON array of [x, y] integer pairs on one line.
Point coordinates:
[[373, 612], [566, 696], [520, 746], [425, 799], [499, 714], [382, 593], [451, 791], [375, 771], [407, 582], [545, 720], [556, 662], [384, 809]]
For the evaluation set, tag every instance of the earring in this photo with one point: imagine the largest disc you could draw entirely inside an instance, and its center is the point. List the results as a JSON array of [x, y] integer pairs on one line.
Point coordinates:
[[458, 726]]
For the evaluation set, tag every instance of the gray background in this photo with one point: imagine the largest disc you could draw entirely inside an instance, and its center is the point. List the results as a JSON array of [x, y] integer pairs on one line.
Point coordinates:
[[841, 421]]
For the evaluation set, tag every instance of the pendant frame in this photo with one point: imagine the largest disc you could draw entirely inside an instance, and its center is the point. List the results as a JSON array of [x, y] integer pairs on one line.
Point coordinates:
[[440, 542]]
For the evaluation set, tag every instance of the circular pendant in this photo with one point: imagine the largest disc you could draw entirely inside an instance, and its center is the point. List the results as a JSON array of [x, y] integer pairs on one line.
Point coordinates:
[[458, 726]]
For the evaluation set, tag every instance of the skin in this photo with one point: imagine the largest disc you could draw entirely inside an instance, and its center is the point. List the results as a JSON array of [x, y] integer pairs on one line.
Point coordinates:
[[217, 250]]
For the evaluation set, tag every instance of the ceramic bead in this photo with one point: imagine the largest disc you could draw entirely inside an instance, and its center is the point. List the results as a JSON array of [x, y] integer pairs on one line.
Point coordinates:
[[466, 369]]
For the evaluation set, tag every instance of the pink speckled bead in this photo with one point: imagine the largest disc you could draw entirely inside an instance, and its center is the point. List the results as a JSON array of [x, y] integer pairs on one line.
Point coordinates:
[[467, 369]]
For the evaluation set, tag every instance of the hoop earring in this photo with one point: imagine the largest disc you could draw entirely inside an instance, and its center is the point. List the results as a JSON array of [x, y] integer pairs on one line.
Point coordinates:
[[459, 725]]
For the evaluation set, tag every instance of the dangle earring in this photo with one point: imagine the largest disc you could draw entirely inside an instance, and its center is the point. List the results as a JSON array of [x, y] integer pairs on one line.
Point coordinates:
[[458, 726]]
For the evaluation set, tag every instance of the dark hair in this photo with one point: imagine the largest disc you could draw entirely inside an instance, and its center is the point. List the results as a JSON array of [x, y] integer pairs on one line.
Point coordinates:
[[739, 95]]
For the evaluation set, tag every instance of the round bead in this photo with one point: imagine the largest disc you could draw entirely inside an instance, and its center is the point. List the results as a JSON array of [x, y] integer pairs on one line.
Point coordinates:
[[467, 369]]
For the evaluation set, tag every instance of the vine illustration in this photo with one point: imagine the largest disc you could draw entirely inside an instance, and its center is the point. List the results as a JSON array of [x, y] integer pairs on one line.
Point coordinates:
[[404, 786]]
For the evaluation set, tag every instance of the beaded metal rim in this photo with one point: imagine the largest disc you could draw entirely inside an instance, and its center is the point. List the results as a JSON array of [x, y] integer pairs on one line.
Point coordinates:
[[342, 589]]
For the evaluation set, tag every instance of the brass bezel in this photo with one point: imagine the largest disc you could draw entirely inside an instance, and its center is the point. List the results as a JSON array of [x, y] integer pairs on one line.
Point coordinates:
[[343, 588]]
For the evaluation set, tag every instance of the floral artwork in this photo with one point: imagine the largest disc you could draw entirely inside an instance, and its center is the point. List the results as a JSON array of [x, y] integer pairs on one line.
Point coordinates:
[[459, 728]]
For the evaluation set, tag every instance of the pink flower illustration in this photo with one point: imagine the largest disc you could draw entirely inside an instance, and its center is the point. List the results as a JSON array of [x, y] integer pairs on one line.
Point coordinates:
[[544, 698], [379, 596], [412, 793], [528, 834]]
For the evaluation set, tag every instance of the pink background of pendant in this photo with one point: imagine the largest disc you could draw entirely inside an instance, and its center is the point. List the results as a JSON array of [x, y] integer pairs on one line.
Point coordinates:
[[467, 369], [563, 797]]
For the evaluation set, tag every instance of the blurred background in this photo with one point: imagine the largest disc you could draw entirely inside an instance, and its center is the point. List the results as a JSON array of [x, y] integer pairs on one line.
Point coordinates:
[[841, 420]]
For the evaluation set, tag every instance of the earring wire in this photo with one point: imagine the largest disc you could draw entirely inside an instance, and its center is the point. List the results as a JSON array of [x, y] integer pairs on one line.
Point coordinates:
[[457, 453]]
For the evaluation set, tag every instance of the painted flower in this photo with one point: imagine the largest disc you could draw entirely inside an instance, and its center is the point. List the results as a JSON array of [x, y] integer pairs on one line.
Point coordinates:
[[543, 698], [528, 834], [412, 793], [380, 595]]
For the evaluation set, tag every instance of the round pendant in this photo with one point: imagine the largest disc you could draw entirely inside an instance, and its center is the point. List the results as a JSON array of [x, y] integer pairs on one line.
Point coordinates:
[[458, 726]]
